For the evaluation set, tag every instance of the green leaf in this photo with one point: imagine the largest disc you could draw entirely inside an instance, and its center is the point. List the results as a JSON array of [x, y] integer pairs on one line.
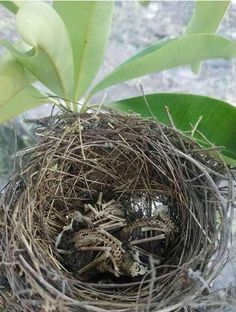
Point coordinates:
[[217, 123], [50, 60], [88, 24], [13, 78], [144, 3], [12, 6], [207, 16], [206, 19], [170, 54], [26, 99]]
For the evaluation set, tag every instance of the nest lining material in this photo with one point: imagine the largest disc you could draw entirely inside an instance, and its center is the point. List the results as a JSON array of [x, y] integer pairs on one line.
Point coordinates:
[[140, 164]]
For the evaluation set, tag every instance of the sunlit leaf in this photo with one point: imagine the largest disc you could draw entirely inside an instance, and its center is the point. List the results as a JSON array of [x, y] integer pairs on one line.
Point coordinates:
[[218, 118], [88, 24], [13, 78], [207, 16], [206, 19], [26, 99], [12, 6], [144, 2], [170, 54], [50, 60]]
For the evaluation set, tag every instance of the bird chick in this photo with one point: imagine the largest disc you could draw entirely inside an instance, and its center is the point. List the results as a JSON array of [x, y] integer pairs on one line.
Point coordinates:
[[111, 257], [131, 266]]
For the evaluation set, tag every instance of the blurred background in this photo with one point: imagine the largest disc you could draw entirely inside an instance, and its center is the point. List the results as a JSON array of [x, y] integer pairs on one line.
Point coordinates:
[[134, 28]]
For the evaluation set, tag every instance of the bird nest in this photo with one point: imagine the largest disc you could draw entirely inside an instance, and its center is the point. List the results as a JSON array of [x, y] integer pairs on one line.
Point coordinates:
[[113, 212]]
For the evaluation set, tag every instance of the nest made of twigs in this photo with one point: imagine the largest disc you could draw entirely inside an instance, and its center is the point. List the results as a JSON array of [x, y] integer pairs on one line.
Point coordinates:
[[140, 164]]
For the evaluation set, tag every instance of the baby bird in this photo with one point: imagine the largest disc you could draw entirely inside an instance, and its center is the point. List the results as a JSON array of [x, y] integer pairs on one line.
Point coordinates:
[[149, 236], [111, 257]]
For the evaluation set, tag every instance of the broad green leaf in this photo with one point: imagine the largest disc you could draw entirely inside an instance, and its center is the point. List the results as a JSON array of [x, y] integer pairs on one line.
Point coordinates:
[[88, 24], [206, 19], [50, 60], [170, 54], [13, 78], [24, 100], [207, 16], [12, 6], [217, 123], [144, 2]]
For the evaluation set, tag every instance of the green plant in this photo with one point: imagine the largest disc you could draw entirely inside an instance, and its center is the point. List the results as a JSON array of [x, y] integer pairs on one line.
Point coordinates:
[[63, 47]]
